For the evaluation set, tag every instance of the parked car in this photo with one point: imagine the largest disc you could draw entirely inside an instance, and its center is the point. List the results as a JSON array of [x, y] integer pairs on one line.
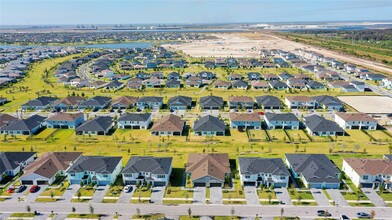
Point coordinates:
[[261, 113], [20, 188], [128, 189], [11, 189], [344, 217], [34, 189], [363, 215], [323, 213]]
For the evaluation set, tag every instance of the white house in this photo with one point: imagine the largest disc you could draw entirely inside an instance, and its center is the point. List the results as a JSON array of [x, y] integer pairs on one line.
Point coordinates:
[[353, 121], [281, 121], [134, 121], [298, 102]]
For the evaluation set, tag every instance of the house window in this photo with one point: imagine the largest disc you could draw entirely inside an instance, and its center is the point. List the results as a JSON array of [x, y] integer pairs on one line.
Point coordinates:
[[105, 175], [72, 174], [365, 177], [282, 177], [247, 177], [161, 176]]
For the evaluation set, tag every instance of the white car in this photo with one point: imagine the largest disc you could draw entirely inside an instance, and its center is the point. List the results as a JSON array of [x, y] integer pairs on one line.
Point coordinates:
[[127, 189]]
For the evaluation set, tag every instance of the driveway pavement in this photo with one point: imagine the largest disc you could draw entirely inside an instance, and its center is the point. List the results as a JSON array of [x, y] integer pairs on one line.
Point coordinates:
[[374, 197], [283, 196], [69, 193], [199, 195], [157, 194], [337, 197], [59, 217], [31, 197], [216, 195], [320, 197], [41, 217], [251, 195], [126, 197], [99, 193]]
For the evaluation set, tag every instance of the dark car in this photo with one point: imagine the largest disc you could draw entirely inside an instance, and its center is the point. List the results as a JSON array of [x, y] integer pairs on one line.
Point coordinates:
[[363, 215], [323, 213], [344, 217], [34, 189], [20, 188]]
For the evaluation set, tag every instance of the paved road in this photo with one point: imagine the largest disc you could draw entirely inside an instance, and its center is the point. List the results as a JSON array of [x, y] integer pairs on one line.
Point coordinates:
[[216, 195], [374, 197], [199, 195], [251, 195], [69, 193], [283, 196], [125, 197], [205, 210], [99, 193], [337, 197], [157, 194], [320, 197]]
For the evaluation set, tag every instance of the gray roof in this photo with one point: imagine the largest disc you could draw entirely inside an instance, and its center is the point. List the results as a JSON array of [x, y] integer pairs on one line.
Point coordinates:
[[327, 100], [100, 123], [24, 124], [314, 167], [240, 83], [388, 156], [269, 100], [209, 123], [211, 101], [173, 82], [153, 165], [255, 165], [280, 117], [135, 117], [11, 160], [98, 164], [277, 84], [313, 84], [40, 101], [95, 101], [317, 123], [114, 83], [180, 101], [150, 99]]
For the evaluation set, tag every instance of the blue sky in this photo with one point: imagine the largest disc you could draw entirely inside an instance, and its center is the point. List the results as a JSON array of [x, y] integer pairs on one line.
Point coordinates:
[[34, 12]]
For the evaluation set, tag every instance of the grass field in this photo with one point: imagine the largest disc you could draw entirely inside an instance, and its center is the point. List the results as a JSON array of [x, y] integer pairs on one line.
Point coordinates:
[[298, 135]]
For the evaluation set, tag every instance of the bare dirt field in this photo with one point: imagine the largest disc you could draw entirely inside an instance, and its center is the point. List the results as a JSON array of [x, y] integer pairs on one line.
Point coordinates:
[[369, 104], [248, 44]]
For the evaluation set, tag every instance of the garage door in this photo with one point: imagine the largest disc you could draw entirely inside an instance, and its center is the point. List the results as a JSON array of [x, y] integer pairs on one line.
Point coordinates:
[[42, 182], [128, 182], [199, 184], [27, 182], [249, 183], [159, 184], [215, 185]]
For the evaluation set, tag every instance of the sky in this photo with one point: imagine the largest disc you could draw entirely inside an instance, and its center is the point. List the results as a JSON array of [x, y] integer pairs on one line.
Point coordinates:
[[61, 12]]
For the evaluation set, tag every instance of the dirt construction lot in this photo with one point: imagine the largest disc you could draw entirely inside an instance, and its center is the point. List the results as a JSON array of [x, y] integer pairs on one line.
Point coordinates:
[[369, 104]]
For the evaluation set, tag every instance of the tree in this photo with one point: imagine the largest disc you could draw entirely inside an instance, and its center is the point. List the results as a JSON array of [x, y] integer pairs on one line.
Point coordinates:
[[51, 194], [91, 209], [28, 208], [73, 209], [79, 194], [232, 211], [138, 211], [372, 214], [269, 198], [189, 212], [281, 213], [299, 198]]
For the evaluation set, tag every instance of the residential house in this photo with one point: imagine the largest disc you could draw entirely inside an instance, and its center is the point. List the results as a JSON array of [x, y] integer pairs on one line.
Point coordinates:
[[172, 83], [147, 170], [263, 171], [209, 126], [70, 102], [278, 85], [260, 85], [29, 126], [319, 126], [253, 76], [281, 121], [134, 121], [285, 76], [241, 102], [124, 102], [12, 163], [65, 120], [240, 84], [359, 85], [174, 76], [235, 76], [194, 81], [6, 119], [300, 102], [151, 102], [153, 82], [114, 85], [168, 125], [269, 102], [211, 102], [135, 83], [387, 83], [48, 167], [314, 170], [245, 121], [98, 170], [352, 121], [95, 103], [369, 173], [270, 77], [219, 84], [314, 85], [208, 170], [40, 103], [206, 75], [180, 103], [142, 75], [100, 125], [328, 102], [296, 83]]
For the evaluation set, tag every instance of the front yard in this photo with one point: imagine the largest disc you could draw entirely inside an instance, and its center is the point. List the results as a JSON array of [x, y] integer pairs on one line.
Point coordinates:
[[140, 193]]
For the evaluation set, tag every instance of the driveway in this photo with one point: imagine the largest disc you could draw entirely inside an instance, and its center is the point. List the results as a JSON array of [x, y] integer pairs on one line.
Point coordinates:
[[157, 194], [251, 195], [374, 197], [99, 193], [283, 196], [216, 195], [337, 197], [31, 197], [69, 193], [126, 197], [320, 197], [199, 195]]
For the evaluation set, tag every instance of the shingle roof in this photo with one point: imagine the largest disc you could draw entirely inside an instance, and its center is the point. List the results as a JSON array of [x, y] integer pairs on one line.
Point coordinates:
[[95, 101], [40, 101], [327, 100], [100, 123], [240, 83], [254, 165], [125, 100], [150, 99], [97, 164], [314, 167], [370, 166], [214, 165], [234, 116], [299, 98], [169, 122], [153, 165], [317, 123], [209, 123], [211, 101], [277, 84], [280, 117], [48, 164], [269, 100], [70, 100], [240, 99], [24, 124], [359, 116], [11, 160], [135, 117], [180, 101], [6, 119], [61, 116]]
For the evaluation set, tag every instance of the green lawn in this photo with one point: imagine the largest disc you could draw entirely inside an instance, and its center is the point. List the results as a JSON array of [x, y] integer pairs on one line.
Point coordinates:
[[237, 193], [260, 135], [150, 216], [266, 193], [305, 195], [140, 193], [387, 196], [23, 215], [278, 135], [88, 216], [177, 192], [298, 135], [379, 135]]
